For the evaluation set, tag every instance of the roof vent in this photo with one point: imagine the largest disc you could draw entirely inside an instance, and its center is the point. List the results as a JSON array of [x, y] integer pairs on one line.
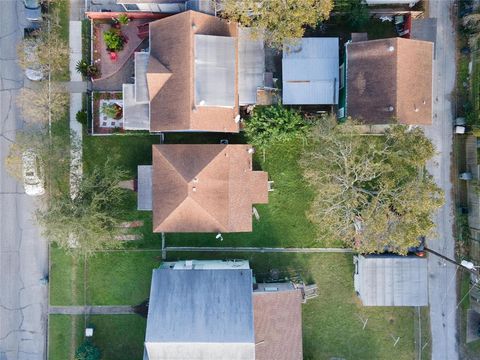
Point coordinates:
[[188, 264], [391, 48], [237, 119], [201, 103], [194, 189], [251, 150], [390, 108], [194, 27]]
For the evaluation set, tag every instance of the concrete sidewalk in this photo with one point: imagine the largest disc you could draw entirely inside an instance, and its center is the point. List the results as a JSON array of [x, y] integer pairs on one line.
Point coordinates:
[[259, 249], [90, 310], [76, 168]]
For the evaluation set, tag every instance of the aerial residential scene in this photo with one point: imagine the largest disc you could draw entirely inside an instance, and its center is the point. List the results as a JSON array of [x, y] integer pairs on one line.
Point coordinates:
[[239, 179]]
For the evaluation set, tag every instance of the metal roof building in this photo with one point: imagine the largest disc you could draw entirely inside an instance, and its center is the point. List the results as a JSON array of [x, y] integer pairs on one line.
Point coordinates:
[[200, 314], [391, 280], [251, 66], [310, 71]]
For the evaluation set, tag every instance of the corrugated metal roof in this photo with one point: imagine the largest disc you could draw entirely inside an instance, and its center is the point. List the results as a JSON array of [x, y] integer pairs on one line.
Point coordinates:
[[135, 115], [214, 70], [144, 187], [251, 66], [391, 280], [141, 88], [200, 314], [310, 71]]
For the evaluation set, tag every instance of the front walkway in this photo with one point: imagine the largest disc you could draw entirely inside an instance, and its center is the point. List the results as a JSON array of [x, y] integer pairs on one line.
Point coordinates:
[[91, 310]]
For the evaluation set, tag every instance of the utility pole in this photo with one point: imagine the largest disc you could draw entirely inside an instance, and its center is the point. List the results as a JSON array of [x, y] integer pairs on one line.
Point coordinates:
[[467, 265]]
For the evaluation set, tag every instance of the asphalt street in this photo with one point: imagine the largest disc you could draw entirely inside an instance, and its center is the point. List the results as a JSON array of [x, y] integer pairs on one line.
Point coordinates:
[[442, 292], [23, 252]]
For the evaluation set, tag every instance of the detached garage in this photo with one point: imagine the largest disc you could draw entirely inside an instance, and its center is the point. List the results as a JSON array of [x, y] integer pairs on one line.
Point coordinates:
[[310, 72], [391, 280]]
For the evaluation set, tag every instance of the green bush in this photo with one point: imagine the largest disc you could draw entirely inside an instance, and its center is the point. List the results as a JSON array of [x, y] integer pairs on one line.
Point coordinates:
[[113, 110], [82, 117], [114, 40], [272, 124], [123, 19], [86, 69], [88, 351]]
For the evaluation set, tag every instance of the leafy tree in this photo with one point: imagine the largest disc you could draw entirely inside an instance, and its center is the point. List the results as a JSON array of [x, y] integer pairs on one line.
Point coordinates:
[[270, 124], [471, 24], [38, 104], [358, 14], [373, 193], [282, 20], [88, 351], [89, 220]]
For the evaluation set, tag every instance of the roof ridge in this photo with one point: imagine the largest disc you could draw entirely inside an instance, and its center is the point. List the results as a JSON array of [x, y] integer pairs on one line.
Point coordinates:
[[156, 148]]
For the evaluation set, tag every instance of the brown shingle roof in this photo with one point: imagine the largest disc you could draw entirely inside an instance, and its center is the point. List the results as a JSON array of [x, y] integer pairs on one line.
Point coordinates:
[[205, 188], [172, 105], [390, 79], [278, 325]]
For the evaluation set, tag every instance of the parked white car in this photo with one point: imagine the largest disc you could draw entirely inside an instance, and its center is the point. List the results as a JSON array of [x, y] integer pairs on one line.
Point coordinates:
[[33, 180], [34, 71]]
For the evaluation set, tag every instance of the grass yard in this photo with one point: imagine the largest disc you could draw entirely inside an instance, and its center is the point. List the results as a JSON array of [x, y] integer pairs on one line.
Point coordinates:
[[120, 337], [471, 350], [126, 151], [120, 278], [66, 278], [65, 333]]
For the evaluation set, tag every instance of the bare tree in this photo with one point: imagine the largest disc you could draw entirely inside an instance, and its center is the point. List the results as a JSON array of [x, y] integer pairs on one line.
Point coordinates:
[[38, 104]]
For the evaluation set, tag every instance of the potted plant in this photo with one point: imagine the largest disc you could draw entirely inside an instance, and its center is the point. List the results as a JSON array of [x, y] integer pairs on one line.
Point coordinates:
[[112, 110], [123, 19]]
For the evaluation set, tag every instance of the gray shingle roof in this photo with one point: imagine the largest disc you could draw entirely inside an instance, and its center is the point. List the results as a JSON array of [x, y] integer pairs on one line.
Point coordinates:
[[389, 280]]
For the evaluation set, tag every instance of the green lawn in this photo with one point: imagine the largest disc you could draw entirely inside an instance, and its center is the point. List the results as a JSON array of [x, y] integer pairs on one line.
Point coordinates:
[[66, 278], [126, 151], [65, 333], [120, 337], [120, 278]]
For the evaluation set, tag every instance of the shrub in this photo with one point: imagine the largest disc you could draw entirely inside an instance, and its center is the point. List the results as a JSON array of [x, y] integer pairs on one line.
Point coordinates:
[[276, 123], [114, 40], [86, 69], [82, 117], [88, 351]]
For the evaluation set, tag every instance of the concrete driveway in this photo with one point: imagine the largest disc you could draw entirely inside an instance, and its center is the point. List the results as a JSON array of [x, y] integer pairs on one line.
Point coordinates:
[[442, 287], [23, 253]]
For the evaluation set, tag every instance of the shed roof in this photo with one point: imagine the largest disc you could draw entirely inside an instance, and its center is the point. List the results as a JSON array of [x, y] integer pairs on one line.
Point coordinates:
[[205, 188], [390, 280], [390, 80], [310, 71], [171, 75], [200, 314], [278, 325]]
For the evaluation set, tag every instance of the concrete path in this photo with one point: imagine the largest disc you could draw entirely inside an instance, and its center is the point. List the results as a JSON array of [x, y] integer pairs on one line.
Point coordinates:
[[76, 168], [91, 310], [259, 249], [23, 251], [441, 284]]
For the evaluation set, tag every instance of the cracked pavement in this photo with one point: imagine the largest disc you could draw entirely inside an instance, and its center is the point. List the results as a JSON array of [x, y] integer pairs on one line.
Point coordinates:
[[23, 252]]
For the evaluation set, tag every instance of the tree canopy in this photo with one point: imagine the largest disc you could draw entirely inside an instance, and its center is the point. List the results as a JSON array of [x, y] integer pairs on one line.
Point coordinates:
[[282, 20], [88, 351], [372, 192], [270, 124], [90, 220]]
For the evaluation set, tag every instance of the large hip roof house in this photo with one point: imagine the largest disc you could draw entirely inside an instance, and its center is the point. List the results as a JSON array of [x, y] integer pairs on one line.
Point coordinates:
[[388, 81], [201, 188], [206, 310]]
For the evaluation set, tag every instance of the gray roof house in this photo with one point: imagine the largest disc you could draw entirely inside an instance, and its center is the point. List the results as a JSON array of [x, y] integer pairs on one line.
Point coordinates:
[[310, 71], [391, 280], [207, 310]]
